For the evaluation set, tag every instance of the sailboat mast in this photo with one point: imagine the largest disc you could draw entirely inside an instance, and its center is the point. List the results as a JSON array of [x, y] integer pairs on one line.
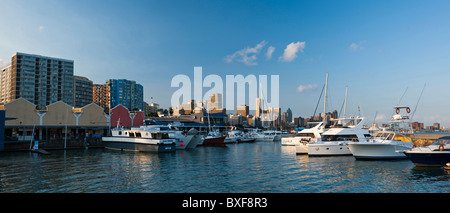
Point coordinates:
[[325, 101], [345, 102]]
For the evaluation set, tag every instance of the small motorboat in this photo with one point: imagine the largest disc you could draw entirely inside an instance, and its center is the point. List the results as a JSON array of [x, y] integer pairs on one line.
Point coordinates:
[[436, 154]]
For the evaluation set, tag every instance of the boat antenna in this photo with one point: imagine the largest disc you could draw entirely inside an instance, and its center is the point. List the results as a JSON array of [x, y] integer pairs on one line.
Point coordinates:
[[401, 97], [415, 108], [374, 117], [345, 103]]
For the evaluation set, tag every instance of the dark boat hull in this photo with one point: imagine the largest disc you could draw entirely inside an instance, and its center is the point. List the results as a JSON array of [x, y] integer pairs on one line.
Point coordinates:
[[429, 159], [216, 141]]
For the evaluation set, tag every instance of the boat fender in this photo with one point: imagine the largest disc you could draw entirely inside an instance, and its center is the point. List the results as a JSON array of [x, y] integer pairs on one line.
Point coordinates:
[[182, 144], [408, 110], [397, 110], [441, 148]]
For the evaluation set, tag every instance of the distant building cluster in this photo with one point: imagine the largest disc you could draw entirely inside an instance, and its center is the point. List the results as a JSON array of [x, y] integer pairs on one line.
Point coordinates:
[[268, 118], [418, 126], [44, 80]]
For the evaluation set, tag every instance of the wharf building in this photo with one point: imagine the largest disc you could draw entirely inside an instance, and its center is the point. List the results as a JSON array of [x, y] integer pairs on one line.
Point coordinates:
[[53, 125], [61, 126], [39, 79]]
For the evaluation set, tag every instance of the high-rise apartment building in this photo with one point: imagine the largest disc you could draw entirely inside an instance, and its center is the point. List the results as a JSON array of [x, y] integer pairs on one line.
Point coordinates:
[[6, 82], [214, 102], [258, 108], [100, 95], [126, 92], [242, 110], [39, 79], [82, 88]]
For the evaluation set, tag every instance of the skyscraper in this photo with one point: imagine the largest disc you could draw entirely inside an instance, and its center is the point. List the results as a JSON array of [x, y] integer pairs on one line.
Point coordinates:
[[100, 95], [82, 88], [258, 108], [289, 115], [39, 79], [214, 101], [126, 92], [242, 110], [6, 85]]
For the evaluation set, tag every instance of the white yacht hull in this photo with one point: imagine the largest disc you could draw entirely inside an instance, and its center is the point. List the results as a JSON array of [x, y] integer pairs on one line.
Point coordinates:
[[139, 144], [328, 149], [264, 139], [289, 141], [367, 150], [294, 141], [301, 149]]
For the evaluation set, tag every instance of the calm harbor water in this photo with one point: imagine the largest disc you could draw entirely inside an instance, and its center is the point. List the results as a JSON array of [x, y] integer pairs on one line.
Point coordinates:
[[245, 168]]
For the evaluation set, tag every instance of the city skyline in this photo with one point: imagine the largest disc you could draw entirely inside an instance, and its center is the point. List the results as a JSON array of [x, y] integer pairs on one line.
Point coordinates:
[[378, 49]]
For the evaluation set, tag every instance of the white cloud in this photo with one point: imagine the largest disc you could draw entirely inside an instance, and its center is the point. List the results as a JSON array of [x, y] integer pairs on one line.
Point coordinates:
[[380, 117], [41, 28], [269, 53], [353, 46], [3, 63], [246, 55], [290, 53], [303, 88]]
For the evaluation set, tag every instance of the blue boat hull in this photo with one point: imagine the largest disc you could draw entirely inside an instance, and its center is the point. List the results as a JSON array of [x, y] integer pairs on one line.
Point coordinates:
[[429, 159]]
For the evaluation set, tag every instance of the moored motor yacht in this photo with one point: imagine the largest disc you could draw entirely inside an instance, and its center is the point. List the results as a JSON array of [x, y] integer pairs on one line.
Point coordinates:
[[384, 145], [140, 139], [233, 136], [308, 136], [214, 139], [261, 137], [305, 137], [334, 140], [436, 154], [187, 140]]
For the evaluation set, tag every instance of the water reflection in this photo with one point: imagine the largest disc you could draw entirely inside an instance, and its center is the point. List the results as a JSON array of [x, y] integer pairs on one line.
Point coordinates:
[[429, 174], [258, 167]]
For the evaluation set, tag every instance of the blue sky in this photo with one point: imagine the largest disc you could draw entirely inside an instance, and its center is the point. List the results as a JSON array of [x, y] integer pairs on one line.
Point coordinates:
[[378, 49]]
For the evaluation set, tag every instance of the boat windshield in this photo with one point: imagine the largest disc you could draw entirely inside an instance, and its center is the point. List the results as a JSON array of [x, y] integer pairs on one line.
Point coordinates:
[[347, 122], [442, 141], [391, 136], [340, 138], [384, 135], [305, 134]]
